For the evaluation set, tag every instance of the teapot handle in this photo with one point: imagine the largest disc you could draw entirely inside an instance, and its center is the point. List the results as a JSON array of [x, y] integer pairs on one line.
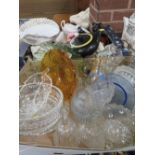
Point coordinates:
[[63, 23]]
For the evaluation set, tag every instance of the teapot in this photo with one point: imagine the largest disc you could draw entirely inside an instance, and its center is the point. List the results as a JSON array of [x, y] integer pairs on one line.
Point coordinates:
[[86, 43]]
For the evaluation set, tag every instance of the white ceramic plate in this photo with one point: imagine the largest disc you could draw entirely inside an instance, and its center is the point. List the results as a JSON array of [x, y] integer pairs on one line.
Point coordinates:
[[38, 30]]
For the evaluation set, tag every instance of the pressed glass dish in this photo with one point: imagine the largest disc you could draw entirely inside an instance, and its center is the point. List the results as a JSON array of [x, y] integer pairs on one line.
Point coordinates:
[[45, 118], [32, 97], [89, 102]]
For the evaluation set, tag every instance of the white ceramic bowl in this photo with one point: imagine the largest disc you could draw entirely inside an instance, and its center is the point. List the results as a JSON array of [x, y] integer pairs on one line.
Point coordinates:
[[38, 30]]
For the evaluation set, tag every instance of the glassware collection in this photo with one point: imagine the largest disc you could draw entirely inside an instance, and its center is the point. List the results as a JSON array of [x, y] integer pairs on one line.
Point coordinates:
[[97, 86]]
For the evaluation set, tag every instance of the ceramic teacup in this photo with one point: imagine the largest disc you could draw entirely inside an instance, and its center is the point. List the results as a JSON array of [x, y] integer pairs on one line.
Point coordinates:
[[68, 28]]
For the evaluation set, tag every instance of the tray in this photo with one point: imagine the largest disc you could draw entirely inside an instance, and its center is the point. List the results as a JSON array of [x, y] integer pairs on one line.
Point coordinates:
[[47, 140]]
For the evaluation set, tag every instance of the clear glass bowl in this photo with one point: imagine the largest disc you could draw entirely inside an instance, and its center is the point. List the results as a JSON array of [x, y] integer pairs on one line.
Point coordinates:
[[102, 92], [117, 134], [39, 77], [45, 119], [66, 133], [40, 130], [89, 133], [82, 105], [32, 97]]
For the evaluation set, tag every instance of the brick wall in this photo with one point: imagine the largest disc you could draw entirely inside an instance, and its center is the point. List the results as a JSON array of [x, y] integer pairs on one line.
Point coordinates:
[[111, 12], [82, 4], [47, 8]]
